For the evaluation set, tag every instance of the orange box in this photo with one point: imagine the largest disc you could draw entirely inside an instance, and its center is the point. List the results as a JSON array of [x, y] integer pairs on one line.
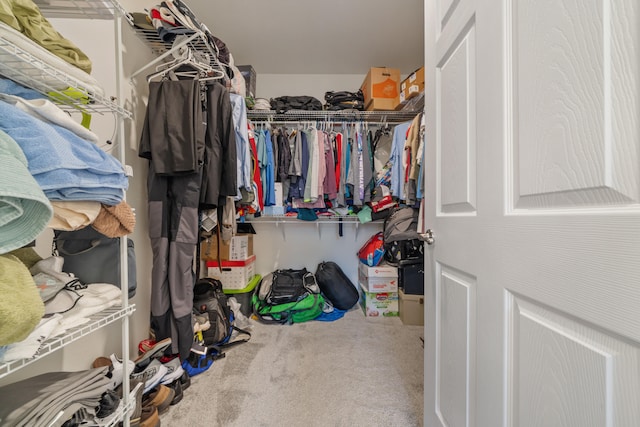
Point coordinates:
[[381, 89]]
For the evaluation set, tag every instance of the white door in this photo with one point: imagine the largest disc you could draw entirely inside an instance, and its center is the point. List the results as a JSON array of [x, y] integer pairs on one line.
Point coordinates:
[[533, 186]]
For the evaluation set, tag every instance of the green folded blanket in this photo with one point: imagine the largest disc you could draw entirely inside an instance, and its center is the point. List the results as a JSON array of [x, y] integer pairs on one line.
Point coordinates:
[[21, 307]]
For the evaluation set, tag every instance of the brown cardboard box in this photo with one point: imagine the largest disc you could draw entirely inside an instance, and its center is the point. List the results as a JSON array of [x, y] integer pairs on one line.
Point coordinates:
[[412, 86], [411, 308], [381, 89], [239, 248]]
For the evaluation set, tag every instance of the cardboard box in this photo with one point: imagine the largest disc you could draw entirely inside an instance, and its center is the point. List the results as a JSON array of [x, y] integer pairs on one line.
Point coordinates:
[[250, 77], [379, 304], [239, 248], [234, 274], [381, 278], [381, 89], [412, 86], [411, 308]]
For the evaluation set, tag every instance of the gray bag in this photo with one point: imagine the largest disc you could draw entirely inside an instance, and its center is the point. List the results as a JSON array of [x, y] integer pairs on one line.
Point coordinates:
[[94, 258]]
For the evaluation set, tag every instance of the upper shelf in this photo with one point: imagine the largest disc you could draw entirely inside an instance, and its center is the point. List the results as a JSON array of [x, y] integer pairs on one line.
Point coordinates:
[[337, 116], [23, 62], [83, 9]]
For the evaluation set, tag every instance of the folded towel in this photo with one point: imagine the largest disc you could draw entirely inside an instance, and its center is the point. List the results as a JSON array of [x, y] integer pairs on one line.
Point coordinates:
[[108, 196], [20, 306], [48, 147], [12, 88], [73, 215], [24, 208], [48, 112]]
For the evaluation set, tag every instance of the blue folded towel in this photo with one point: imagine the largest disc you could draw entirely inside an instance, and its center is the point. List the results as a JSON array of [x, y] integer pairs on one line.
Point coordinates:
[[63, 163], [12, 88], [49, 147]]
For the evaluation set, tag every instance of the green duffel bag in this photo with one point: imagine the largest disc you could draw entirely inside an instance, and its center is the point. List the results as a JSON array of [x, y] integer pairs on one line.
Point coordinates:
[[287, 296]]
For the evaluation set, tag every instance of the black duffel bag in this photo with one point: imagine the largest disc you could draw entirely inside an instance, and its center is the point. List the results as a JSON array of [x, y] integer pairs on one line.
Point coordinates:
[[93, 257], [336, 286]]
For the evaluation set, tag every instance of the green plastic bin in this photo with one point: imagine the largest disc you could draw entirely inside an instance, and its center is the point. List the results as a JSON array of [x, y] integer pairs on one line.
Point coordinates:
[[243, 296]]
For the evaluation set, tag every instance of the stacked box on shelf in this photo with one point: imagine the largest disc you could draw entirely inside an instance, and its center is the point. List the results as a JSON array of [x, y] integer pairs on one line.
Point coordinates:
[[378, 290]]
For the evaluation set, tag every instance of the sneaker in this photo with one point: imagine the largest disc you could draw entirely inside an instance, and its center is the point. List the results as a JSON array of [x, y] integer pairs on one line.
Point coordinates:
[[174, 371], [117, 371], [156, 350], [151, 375]]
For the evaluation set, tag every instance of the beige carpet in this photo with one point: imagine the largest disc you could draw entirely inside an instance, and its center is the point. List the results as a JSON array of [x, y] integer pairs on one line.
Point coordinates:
[[354, 371]]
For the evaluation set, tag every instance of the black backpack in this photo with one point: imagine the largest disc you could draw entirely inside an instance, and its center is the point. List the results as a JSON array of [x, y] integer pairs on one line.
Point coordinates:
[[209, 298], [400, 236]]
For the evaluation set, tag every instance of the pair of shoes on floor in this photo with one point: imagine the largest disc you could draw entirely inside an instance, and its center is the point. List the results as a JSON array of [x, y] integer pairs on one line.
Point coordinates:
[[159, 397]]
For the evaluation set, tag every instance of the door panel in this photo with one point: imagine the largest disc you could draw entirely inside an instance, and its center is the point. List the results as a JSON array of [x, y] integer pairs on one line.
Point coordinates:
[[455, 352], [566, 372], [571, 113], [532, 185], [456, 143]]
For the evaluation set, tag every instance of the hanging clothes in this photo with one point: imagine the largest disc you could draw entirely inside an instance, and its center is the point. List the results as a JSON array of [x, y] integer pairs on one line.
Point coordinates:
[[396, 160], [268, 180], [329, 184], [174, 201], [242, 145], [257, 180]]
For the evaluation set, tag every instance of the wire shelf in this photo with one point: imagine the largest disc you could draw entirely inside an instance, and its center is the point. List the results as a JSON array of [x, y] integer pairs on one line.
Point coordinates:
[[80, 9], [335, 116], [97, 321], [29, 71], [196, 41]]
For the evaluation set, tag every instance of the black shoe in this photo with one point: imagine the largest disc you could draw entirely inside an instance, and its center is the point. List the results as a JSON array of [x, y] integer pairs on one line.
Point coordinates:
[[185, 381], [176, 386]]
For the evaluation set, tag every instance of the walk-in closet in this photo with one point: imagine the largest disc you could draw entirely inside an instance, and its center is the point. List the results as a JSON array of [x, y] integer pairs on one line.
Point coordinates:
[[352, 369]]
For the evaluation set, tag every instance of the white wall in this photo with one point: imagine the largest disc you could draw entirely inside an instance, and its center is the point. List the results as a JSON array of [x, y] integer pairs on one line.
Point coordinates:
[[274, 85]]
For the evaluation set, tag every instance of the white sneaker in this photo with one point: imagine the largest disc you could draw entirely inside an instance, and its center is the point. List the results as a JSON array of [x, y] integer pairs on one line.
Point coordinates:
[[174, 371], [151, 375], [117, 372]]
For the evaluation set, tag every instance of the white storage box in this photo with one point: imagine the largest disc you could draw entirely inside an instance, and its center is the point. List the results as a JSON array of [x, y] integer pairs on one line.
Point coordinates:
[[379, 304], [381, 278], [234, 274]]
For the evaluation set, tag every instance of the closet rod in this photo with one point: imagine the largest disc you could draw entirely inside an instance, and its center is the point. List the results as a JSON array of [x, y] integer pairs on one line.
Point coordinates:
[[336, 116]]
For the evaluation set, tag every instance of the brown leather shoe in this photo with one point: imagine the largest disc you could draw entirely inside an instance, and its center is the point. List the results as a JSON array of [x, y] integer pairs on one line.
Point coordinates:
[[149, 417], [160, 397]]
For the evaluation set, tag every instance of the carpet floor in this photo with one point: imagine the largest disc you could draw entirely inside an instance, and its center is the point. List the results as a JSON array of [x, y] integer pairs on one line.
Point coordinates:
[[355, 371]]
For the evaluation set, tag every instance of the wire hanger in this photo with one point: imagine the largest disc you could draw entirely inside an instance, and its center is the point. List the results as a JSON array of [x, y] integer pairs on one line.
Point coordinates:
[[198, 69]]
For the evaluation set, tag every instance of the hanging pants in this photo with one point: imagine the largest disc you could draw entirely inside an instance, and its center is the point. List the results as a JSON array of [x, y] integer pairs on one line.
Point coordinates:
[[173, 230]]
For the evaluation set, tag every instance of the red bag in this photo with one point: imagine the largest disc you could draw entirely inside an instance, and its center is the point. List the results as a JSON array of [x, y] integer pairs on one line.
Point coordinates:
[[372, 252]]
